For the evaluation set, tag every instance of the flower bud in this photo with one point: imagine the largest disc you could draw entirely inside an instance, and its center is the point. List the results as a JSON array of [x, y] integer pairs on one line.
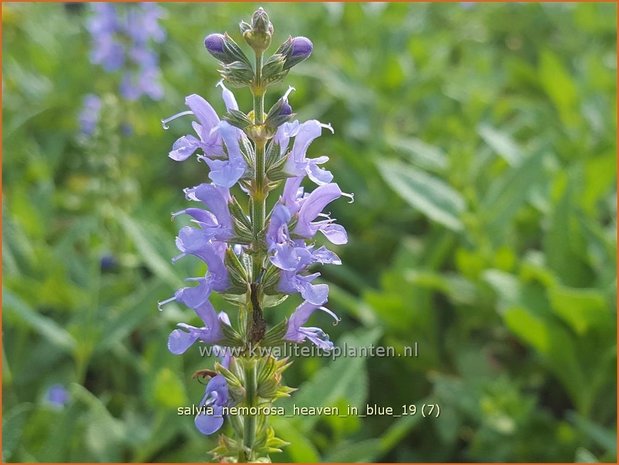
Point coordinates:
[[285, 110], [224, 49], [279, 114], [295, 50], [215, 44], [301, 48], [258, 35], [260, 22]]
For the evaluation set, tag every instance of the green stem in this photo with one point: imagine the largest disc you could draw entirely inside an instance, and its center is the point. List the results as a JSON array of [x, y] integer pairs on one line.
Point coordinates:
[[249, 422], [258, 207], [260, 193]]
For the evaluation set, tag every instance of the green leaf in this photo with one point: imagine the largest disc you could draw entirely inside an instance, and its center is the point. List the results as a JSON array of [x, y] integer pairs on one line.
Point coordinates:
[[563, 240], [301, 449], [359, 451], [347, 380], [553, 344], [501, 143], [582, 309], [421, 154], [602, 436], [13, 423], [104, 434], [148, 250], [169, 391], [129, 314], [508, 193], [46, 327], [430, 195], [559, 85], [370, 450]]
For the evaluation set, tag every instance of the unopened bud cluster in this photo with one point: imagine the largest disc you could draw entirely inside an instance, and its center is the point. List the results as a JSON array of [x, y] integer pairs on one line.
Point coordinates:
[[237, 69]]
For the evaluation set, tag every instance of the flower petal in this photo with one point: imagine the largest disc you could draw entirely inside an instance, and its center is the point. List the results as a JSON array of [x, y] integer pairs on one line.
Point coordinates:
[[208, 424], [313, 205], [318, 175], [194, 296], [204, 112], [179, 341], [184, 147], [228, 96], [335, 233], [315, 294]]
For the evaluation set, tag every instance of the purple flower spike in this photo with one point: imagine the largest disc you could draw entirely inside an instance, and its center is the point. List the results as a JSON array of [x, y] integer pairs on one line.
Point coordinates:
[[215, 398], [296, 332], [302, 48], [121, 40]]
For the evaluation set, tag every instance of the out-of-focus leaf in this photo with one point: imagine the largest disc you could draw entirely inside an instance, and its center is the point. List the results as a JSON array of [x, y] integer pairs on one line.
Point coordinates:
[[148, 250], [431, 196], [169, 393], [508, 193], [348, 380], [563, 241], [301, 449], [13, 423], [104, 434], [553, 343], [129, 314], [582, 309], [501, 143], [424, 155], [350, 452], [558, 84], [602, 436], [49, 329]]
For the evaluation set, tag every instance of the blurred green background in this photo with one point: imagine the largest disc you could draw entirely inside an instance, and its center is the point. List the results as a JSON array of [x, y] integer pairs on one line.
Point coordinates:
[[479, 140]]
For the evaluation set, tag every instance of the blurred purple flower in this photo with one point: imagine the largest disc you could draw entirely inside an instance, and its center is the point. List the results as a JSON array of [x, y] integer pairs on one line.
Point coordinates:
[[90, 114], [57, 395], [121, 40]]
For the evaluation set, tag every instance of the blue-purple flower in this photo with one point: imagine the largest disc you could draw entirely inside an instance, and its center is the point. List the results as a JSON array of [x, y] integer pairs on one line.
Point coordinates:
[[298, 333], [186, 335], [210, 417], [218, 141], [215, 221]]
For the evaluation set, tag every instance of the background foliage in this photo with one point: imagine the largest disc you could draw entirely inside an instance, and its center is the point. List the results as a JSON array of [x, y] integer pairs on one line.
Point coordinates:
[[479, 140]]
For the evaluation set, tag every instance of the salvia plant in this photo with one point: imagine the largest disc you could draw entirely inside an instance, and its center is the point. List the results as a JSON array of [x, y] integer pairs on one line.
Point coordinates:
[[255, 258], [123, 43], [123, 38]]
